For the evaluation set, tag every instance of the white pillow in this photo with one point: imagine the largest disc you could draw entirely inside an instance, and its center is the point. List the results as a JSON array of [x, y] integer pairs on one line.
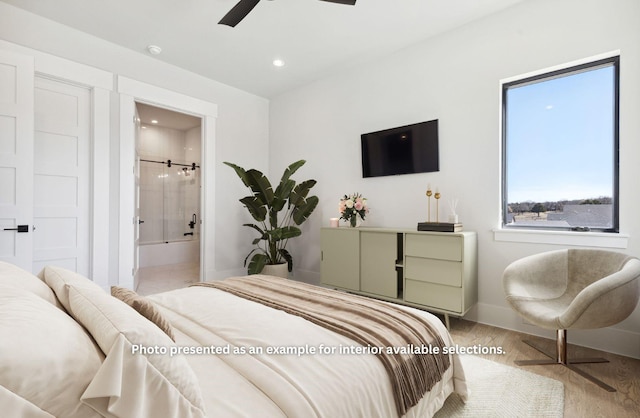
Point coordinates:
[[59, 280], [14, 276], [128, 384], [46, 358]]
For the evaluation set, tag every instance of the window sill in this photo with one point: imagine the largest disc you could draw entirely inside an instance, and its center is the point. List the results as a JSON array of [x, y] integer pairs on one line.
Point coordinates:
[[581, 239]]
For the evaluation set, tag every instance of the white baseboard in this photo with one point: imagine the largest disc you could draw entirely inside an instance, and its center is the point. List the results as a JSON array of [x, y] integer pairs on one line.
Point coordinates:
[[612, 340]]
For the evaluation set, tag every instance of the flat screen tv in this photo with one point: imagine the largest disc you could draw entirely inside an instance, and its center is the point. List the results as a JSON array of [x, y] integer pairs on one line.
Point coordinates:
[[404, 150]]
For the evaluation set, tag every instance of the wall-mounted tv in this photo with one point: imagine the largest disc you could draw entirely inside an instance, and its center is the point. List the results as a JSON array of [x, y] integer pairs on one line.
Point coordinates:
[[404, 150]]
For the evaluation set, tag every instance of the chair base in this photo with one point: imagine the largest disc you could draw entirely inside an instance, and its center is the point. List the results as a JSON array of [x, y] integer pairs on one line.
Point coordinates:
[[560, 358]]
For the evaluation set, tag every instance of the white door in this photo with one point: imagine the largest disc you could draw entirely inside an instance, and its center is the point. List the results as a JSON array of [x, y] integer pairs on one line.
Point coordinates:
[[61, 176], [16, 159]]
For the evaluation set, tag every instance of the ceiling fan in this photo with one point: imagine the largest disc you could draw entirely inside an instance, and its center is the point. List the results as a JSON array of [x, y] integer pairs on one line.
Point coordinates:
[[243, 7]]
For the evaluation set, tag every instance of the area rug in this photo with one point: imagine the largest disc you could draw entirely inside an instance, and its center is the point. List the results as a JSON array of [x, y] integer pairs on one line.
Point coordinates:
[[496, 390]]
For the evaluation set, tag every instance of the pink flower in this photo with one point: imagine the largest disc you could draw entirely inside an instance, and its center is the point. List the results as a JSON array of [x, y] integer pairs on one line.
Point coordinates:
[[352, 206]]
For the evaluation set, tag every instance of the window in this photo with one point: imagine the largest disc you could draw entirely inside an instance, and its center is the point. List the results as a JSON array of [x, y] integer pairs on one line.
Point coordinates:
[[560, 149]]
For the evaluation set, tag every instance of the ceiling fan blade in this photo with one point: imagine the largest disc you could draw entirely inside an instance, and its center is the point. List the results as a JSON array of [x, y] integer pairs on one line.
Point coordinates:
[[350, 2], [238, 12]]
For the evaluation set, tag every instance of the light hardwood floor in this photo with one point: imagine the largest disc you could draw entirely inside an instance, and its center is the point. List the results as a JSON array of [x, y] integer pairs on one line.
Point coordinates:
[[582, 398]]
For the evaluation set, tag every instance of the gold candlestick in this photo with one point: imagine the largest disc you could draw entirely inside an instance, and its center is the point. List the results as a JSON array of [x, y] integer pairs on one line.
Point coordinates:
[[437, 196], [429, 193]]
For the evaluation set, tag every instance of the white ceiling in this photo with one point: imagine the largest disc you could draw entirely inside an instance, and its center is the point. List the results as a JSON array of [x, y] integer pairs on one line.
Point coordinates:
[[166, 118], [313, 37]]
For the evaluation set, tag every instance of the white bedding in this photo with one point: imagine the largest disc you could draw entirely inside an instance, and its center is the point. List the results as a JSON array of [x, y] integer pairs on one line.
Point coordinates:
[[274, 385], [68, 349]]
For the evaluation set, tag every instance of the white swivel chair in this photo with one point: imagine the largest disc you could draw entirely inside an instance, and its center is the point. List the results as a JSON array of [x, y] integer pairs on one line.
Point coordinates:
[[574, 288]]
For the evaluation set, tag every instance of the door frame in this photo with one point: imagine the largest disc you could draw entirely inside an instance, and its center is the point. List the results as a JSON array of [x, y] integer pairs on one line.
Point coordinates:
[[130, 92]]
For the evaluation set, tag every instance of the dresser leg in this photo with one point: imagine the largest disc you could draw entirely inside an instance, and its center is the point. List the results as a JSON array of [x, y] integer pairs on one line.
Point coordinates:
[[446, 321]]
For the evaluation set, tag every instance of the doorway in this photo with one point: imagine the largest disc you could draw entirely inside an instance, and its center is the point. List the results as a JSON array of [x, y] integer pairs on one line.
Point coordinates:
[[131, 92], [168, 185]]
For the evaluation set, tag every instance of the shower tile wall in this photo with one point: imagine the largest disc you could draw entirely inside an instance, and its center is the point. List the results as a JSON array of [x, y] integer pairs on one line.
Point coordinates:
[[162, 143], [192, 150]]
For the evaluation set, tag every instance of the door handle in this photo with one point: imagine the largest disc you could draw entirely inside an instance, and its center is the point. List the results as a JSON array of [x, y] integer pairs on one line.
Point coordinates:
[[20, 228]]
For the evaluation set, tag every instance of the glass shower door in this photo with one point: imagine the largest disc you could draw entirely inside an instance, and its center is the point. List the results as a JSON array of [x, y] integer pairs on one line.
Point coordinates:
[[181, 204], [169, 203]]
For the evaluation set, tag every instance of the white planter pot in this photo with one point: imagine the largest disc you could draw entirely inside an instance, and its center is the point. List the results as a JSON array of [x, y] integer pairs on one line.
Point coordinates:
[[278, 270]]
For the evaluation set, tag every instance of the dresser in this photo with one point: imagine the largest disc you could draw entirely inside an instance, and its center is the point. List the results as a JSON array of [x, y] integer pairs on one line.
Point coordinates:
[[435, 271]]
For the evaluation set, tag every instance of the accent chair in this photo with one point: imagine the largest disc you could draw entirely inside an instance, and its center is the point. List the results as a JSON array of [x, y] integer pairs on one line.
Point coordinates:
[[572, 289]]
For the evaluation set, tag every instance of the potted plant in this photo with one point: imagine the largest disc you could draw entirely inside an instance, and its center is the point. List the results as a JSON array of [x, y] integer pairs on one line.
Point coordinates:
[[265, 205]]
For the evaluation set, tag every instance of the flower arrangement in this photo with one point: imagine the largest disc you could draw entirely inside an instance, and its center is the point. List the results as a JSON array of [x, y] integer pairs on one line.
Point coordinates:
[[352, 206]]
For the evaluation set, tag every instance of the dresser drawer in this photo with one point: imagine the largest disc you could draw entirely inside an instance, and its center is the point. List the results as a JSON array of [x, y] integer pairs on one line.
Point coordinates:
[[439, 247], [434, 271], [434, 295]]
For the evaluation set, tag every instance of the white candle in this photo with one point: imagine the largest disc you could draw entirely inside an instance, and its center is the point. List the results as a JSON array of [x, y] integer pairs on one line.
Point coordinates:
[[333, 222]]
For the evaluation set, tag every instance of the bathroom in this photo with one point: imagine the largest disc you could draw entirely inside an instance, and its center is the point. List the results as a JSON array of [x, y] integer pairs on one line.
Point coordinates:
[[169, 189]]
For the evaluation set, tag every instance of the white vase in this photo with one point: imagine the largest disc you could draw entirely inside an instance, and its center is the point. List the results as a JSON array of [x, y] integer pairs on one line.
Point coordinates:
[[278, 270]]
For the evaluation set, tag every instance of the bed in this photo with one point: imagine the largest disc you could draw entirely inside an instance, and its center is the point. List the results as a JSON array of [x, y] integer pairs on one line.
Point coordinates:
[[241, 347]]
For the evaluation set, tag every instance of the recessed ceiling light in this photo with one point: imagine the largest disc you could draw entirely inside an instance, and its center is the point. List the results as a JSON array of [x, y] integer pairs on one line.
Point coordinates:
[[154, 49], [278, 63], [154, 121]]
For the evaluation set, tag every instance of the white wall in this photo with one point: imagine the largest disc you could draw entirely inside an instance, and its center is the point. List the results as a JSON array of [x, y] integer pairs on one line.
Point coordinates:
[[455, 78], [241, 126]]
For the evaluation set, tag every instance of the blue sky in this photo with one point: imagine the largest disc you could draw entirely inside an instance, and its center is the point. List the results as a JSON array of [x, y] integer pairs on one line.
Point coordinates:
[[560, 138]]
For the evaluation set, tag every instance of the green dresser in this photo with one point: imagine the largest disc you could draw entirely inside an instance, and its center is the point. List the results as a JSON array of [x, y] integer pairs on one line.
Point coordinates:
[[435, 271]]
